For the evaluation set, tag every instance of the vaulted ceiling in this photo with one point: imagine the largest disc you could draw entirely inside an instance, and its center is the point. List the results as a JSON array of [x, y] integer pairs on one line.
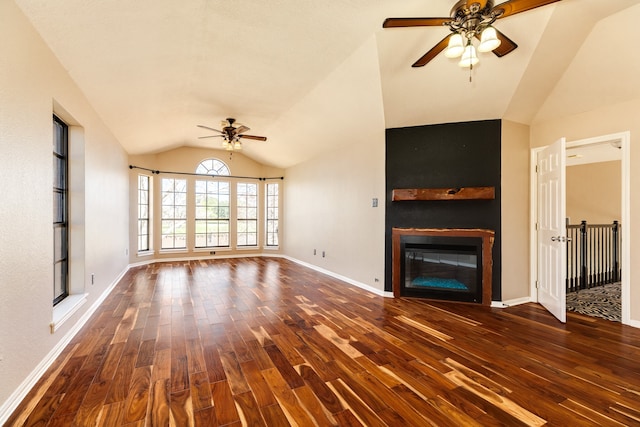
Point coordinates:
[[154, 69]]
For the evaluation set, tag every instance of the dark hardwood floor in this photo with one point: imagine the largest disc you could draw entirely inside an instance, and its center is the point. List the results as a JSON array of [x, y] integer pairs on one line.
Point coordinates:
[[261, 341]]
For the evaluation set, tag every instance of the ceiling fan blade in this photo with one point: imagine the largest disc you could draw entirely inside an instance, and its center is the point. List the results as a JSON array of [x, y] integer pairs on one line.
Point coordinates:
[[257, 138], [210, 136], [414, 22], [506, 45], [207, 127], [424, 60], [512, 7], [241, 129]]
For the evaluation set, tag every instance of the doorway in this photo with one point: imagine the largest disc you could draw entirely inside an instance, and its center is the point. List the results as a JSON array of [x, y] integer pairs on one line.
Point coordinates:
[[589, 147]]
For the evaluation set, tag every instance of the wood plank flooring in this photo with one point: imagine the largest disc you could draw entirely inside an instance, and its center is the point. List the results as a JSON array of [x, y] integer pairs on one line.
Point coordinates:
[[266, 342]]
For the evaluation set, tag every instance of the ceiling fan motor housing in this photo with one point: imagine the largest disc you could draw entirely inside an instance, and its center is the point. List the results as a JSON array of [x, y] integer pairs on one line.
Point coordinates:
[[471, 19]]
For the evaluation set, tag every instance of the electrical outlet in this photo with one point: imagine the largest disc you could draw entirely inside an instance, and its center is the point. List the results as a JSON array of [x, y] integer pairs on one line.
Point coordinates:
[[93, 277], [322, 254], [374, 202], [314, 251], [126, 252]]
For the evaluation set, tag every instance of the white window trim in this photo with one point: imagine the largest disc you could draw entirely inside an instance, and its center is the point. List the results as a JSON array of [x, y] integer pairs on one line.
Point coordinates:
[[65, 309]]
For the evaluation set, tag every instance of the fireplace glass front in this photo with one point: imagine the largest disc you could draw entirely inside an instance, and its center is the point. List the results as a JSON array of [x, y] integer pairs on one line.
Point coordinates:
[[442, 267]]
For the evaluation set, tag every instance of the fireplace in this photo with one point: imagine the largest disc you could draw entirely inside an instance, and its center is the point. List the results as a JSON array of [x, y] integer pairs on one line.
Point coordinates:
[[443, 264]]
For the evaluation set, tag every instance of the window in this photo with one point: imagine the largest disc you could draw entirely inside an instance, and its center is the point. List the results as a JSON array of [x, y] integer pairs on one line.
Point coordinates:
[[174, 213], [212, 167], [247, 214], [60, 211], [212, 213], [272, 213], [143, 213]]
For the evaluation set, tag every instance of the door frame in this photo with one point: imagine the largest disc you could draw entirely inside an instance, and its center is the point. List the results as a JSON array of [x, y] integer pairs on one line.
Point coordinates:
[[624, 138]]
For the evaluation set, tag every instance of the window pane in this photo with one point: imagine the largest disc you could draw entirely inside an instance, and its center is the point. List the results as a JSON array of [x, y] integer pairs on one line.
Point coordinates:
[[181, 212], [59, 206], [60, 210], [174, 213], [181, 199], [212, 167], [272, 210], [247, 208], [212, 200], [168, 199]]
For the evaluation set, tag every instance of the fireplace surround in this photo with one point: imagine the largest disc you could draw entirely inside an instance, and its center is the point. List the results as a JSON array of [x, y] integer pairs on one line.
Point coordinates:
[[451, 264]]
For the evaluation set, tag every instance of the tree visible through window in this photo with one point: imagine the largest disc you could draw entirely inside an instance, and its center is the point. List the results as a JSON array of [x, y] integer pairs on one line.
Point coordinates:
[[60, 211], [213, 209], [212, 214], [247, 214], [174, 213]]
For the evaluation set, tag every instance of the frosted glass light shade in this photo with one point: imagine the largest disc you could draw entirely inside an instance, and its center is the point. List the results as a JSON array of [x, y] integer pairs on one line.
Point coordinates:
[[455, 47], [488, 40], [237, 145], [469, 56]]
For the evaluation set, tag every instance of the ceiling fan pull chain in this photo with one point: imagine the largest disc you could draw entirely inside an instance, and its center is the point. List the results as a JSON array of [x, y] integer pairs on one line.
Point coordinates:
[[470, 71]]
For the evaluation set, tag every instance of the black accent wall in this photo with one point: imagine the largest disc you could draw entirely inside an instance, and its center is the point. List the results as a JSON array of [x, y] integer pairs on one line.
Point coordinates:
[[443, 156]]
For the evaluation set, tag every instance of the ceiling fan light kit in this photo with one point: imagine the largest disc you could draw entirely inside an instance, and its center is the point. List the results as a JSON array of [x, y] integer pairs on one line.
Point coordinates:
[[469, 57], [470, 19], [231, 135]]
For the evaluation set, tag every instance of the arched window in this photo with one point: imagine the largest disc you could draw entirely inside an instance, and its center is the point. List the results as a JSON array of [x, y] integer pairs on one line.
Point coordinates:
[[213, 167]]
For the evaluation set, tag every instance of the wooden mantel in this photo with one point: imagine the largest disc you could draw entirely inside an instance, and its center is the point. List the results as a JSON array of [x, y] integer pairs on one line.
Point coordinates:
[[460, 193]]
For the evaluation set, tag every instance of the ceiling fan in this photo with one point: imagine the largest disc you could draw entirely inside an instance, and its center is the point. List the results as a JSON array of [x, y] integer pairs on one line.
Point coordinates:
[[231, 134], [470, 19]]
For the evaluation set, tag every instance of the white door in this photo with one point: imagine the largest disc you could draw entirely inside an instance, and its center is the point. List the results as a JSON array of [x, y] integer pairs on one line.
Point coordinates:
[[552, 250]]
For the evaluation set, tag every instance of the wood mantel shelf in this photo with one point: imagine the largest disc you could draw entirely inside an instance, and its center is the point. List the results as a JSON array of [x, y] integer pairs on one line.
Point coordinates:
[[459, 193]]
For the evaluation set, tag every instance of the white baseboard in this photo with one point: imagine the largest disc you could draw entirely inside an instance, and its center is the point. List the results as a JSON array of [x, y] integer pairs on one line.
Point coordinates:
[[634, 323], [25, 387], [510, 303], [340, 277]]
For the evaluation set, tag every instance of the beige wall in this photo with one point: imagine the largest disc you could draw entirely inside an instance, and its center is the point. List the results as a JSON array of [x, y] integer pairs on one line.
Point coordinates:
[[186, 160], [594, 192], [33, 85], [328, 199], [515, 211]]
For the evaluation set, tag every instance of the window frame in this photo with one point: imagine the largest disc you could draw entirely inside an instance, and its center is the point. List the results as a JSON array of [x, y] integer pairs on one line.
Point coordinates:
[[246, 219], [213, 209], [268, 220], [174, 218], [146, 236], [60, 209]]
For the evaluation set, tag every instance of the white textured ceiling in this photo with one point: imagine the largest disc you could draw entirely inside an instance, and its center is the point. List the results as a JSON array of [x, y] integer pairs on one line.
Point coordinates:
[[154, 69]]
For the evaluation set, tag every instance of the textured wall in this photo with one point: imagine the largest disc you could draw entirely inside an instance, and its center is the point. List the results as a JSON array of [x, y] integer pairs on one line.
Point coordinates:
[[33, 85], [445, 156]]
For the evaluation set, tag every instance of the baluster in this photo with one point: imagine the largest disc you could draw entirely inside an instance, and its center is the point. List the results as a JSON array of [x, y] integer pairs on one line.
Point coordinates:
[[583, 254], [616, 252]]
